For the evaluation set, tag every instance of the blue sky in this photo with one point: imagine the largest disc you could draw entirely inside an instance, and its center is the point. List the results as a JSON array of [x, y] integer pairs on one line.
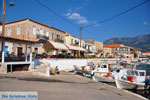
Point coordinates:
[[85, 12]]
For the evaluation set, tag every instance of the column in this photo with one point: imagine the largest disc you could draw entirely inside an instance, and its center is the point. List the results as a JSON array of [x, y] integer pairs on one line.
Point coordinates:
[[3, 53], [31, 53], [26, 54]]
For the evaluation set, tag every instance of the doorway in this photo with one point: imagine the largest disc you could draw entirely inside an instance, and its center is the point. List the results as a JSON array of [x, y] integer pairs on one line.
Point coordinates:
[[19, 52]]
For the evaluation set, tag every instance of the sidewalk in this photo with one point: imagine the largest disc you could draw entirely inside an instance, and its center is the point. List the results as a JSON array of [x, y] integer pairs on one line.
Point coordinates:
[[66, 86]]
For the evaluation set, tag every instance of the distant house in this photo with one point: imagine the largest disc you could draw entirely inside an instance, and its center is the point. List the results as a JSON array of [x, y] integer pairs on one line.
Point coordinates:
[[99, 45], [119, 50], [91, 49], [73, 44], [146, 54]]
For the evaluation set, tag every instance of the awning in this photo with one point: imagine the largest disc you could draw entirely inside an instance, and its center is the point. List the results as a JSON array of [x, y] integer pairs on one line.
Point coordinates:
[[75, 48], [55, 45]]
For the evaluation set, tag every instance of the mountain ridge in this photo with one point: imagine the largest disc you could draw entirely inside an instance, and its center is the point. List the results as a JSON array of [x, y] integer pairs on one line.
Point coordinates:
[[140, 42]]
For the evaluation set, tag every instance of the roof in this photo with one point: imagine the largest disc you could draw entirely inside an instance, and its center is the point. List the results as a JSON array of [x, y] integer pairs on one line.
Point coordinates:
[[16, 39], [113, 45], [35, 22], [75, 48], [87, 43]]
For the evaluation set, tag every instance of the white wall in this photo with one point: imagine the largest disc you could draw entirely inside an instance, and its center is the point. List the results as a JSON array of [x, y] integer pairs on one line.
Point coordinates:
[[66, 64]]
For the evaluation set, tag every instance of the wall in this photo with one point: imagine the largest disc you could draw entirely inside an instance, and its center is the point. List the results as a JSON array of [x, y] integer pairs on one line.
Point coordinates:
[[68, 38], [13, 27], [66, 64]]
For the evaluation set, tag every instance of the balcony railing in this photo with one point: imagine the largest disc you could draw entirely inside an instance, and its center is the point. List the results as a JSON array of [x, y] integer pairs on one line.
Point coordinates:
[[58, 40], [74, 45], [42, 37]]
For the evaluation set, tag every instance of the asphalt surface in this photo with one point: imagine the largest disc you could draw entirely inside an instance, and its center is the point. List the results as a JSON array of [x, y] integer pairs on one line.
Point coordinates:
[[63, 87]]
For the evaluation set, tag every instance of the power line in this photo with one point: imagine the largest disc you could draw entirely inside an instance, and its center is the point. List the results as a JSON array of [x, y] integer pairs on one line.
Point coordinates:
[[90, 33], [76, 33], [43, 5], [119, 14]]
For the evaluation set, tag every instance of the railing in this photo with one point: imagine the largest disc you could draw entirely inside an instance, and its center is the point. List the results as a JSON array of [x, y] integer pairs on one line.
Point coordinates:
[[58, 40], [74, 45], [42, 37]]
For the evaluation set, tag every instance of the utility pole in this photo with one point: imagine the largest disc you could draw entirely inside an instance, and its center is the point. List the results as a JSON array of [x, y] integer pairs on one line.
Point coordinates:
[[80, 35], [3, 32], [80, 39], [3, 22]]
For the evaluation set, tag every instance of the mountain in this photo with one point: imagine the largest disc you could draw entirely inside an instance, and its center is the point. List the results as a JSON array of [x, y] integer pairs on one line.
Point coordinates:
[[140, 42]]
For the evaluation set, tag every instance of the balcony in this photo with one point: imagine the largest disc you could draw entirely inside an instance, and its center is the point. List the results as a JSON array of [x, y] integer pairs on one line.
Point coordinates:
[[75, 44], [58, 40], [42, 37]]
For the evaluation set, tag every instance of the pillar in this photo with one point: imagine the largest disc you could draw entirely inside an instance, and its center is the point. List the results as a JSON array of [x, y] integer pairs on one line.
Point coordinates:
[[3, 53], [26, 54], [31, 53]]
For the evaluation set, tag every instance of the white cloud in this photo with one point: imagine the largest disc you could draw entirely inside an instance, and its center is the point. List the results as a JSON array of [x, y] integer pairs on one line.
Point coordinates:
[[82, 21], [95, 22], [75, 16], [145, 23], [67, 14]]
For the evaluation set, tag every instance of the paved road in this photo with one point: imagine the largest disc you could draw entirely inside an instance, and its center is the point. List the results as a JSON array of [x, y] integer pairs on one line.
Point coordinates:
[[63, 87]]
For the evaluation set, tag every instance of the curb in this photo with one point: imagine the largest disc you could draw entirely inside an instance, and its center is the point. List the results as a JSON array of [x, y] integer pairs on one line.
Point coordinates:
[[137, 95]]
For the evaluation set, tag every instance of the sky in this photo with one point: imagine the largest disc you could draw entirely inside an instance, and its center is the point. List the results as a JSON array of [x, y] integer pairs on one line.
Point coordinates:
[[83, 13]]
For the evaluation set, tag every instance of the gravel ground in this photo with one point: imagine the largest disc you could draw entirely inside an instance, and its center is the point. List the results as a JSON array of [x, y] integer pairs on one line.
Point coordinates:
[[65, 86]]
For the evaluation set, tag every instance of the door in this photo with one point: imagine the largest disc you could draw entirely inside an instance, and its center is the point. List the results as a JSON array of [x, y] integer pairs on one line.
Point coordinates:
[[19, 52], [6, 51]]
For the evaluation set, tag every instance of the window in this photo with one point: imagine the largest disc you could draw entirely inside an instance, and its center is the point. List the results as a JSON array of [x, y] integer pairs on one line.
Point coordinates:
[[57, 36], [36, 50], [41, 31], [136, 73], [75, 41], [104, 66], [47, 34], [142, 73], [71, 41], [34, 30], [18, 30], [52, 36], [9, 31]]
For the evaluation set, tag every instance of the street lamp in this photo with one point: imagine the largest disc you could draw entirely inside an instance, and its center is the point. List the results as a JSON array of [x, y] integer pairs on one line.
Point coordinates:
[[11, 4], [3, 21], [3, 28]]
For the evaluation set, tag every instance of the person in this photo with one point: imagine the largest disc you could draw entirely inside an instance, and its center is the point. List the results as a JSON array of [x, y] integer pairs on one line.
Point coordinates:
[[147, 82], [57, 70]]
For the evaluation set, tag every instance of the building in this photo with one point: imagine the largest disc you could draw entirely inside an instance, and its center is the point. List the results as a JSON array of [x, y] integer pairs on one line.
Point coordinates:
[[146, 54], [28, 29], [99, 45], [73, 43], [120, 50], [107, 52], [91, 49]]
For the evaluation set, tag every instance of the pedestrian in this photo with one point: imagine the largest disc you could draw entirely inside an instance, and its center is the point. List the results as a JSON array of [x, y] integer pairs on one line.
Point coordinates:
[[147, 82]]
